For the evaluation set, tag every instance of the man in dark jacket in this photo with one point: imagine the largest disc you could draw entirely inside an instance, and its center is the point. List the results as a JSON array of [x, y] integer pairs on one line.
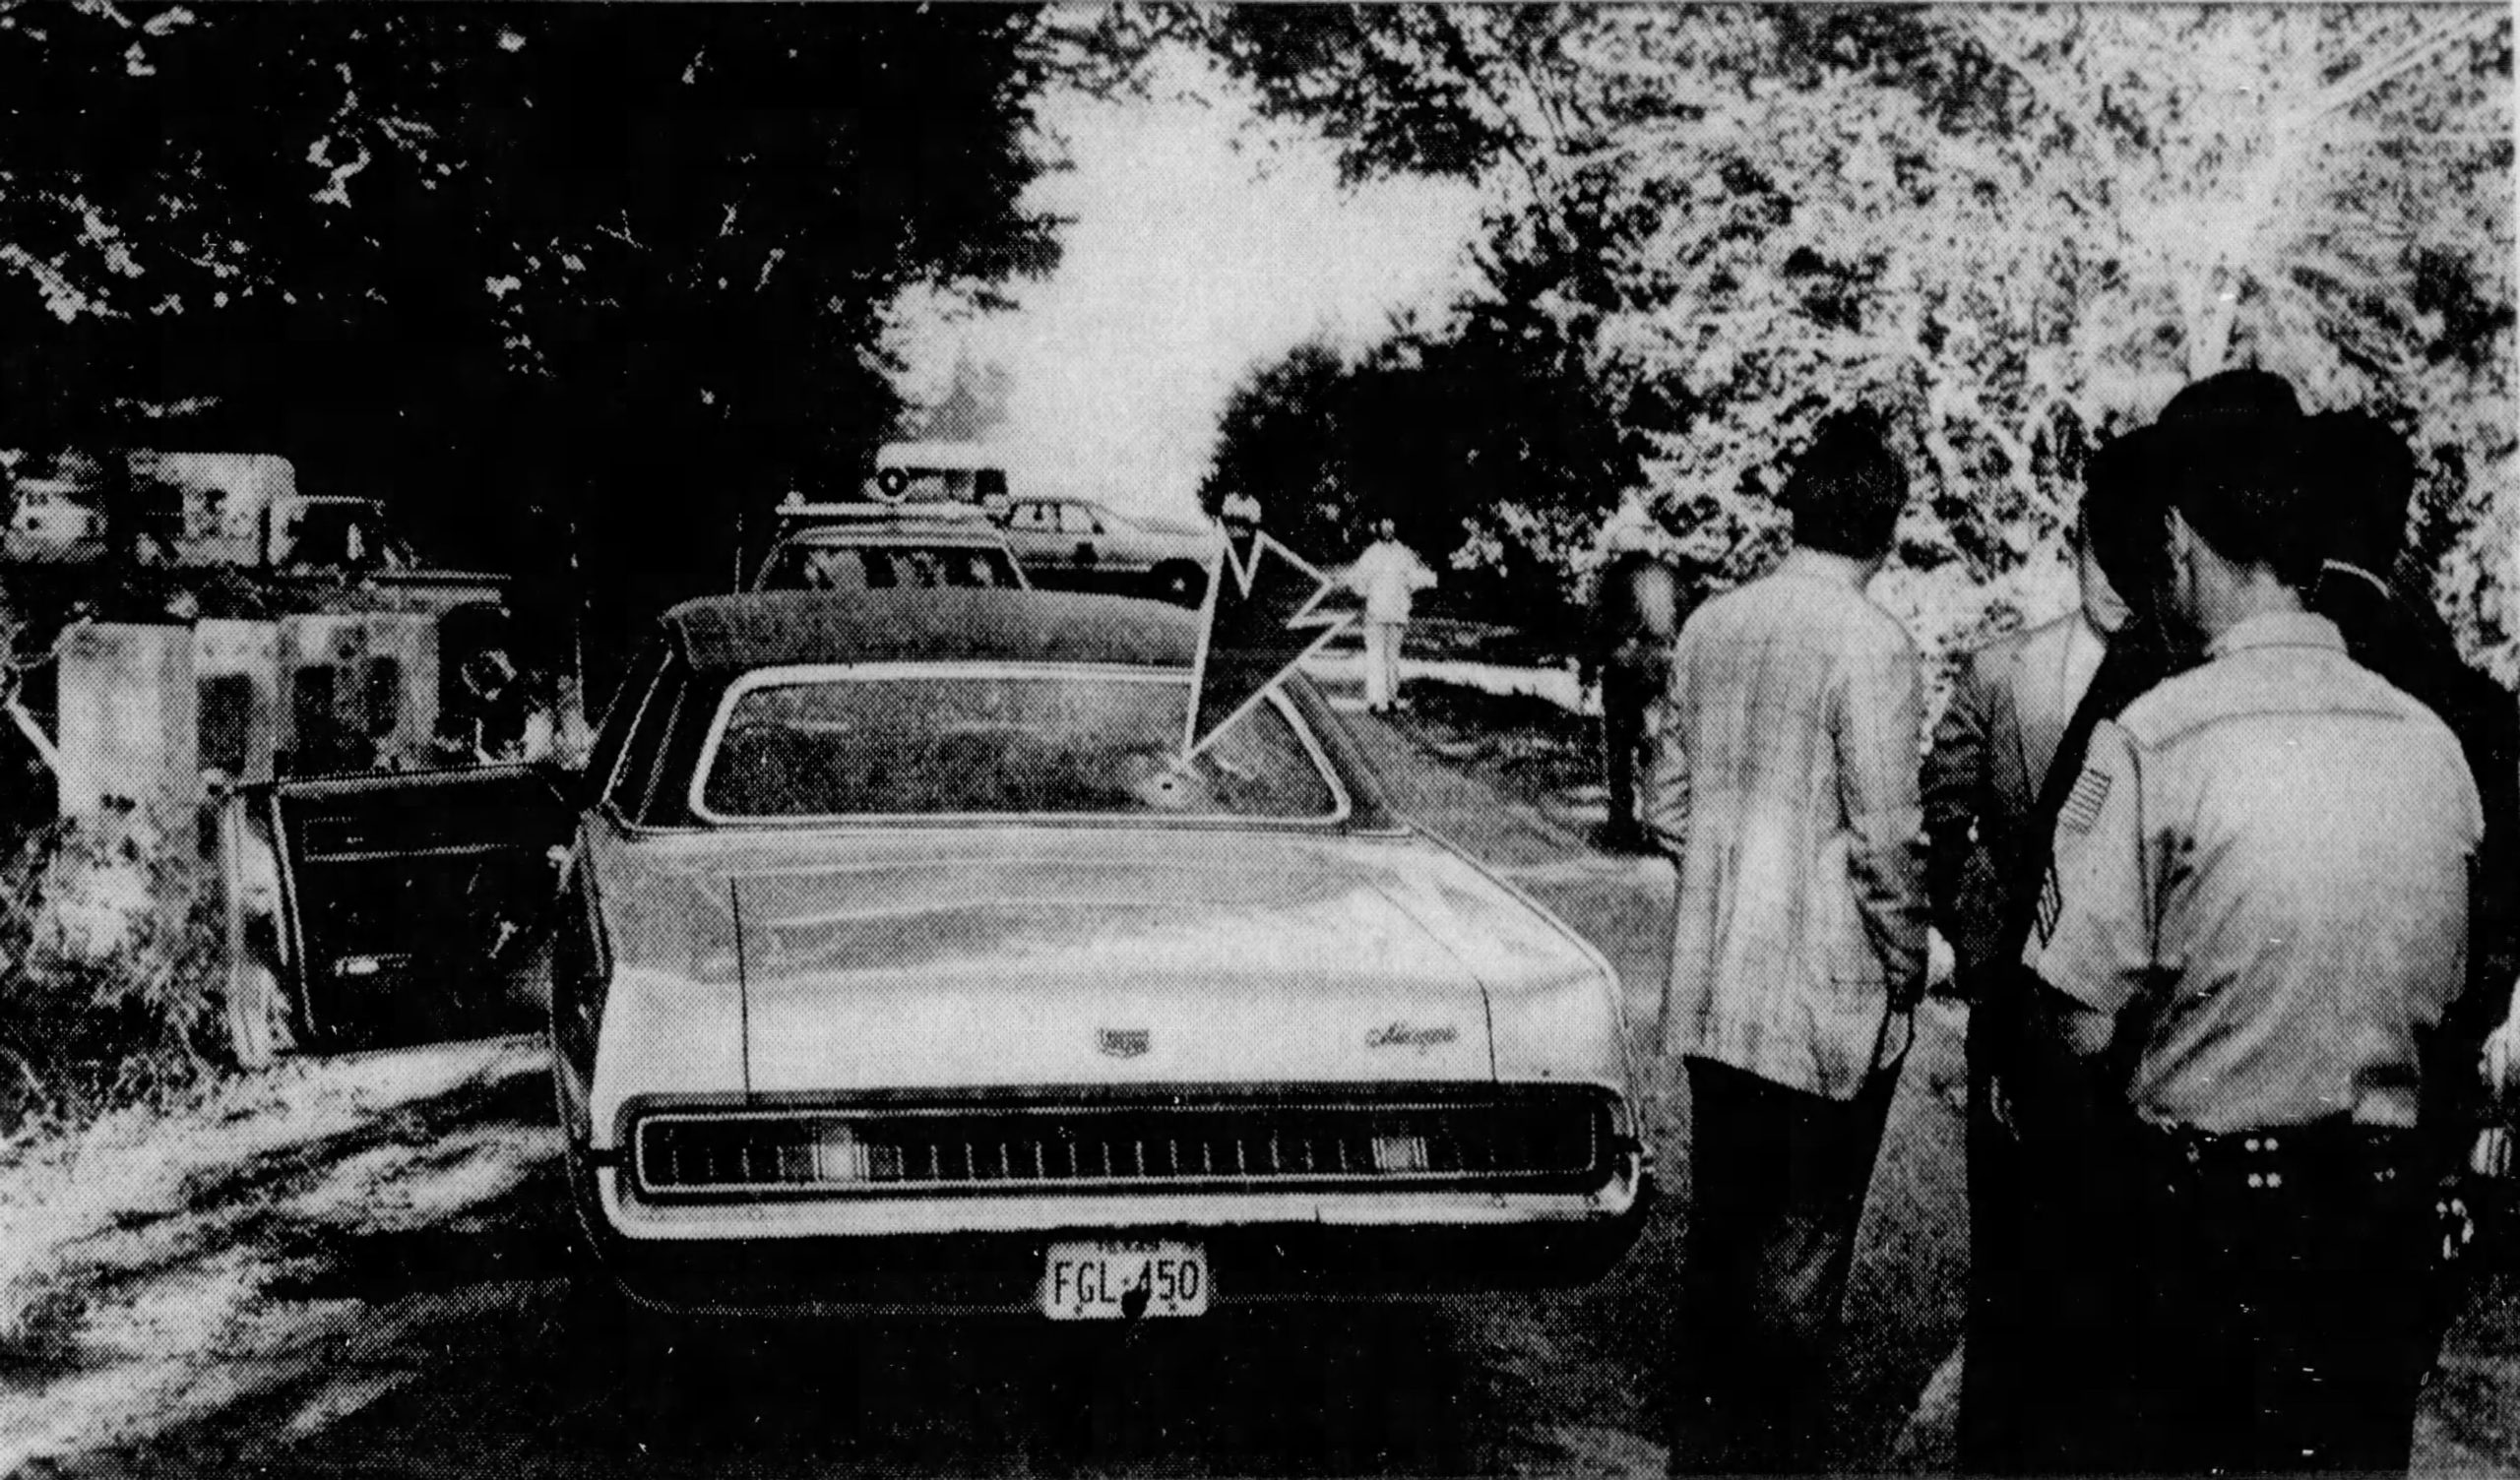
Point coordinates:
[[2370, 478], [2011, 704]]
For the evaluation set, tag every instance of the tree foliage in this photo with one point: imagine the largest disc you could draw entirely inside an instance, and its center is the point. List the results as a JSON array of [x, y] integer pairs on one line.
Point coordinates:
[[1484, 440], [626, 264], [2020, 228]]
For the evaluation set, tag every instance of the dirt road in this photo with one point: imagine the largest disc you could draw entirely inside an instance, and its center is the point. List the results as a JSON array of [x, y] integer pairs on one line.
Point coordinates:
[[366, 1264]]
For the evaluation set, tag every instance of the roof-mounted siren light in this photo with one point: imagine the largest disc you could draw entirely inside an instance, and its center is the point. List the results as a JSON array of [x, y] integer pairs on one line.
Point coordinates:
[[935, 472]]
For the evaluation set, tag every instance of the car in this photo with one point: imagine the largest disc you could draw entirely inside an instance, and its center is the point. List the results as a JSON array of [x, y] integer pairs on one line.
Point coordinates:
[[1081, 544], [870, 547], [893, 959]]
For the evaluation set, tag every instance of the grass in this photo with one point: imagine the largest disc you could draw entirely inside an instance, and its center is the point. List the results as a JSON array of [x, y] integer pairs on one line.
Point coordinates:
[[1533, 745], [109, 948]]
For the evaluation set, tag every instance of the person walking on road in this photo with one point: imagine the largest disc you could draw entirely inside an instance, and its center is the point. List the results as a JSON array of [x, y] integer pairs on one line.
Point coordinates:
[[1991, 749], [1785, 760], [1388, 574], [1627, 649], [2256, 915]]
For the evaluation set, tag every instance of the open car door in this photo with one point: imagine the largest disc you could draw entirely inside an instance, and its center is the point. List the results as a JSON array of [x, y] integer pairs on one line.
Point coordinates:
[[387, 909]]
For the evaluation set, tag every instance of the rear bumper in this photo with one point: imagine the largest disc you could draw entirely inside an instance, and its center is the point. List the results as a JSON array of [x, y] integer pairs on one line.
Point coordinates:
[[1375, 1253]]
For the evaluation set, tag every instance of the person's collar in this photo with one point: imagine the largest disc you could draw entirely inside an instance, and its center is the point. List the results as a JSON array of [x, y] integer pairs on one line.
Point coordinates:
[[2278, 629], [2359, 572], [1821, 565]]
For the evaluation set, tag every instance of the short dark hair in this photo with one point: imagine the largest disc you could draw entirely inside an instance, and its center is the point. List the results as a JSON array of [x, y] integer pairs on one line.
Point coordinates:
[[2364, 486], [2245, 395], [2124, 515], [2233, 453], [2244, 485], [1846, 490]]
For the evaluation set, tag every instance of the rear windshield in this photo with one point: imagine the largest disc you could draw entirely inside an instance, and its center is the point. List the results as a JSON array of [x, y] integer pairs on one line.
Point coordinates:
[[855, 568], [955, 740]]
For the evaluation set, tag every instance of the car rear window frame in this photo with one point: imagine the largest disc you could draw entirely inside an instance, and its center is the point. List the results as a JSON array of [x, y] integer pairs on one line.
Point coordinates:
[[1343, 805]]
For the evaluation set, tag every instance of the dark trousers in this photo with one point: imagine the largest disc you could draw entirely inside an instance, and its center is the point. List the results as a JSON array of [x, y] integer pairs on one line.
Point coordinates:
[[2277, 1323], [1626, 691], [2048, 1322], [1778, 1179], [2000, 1347]]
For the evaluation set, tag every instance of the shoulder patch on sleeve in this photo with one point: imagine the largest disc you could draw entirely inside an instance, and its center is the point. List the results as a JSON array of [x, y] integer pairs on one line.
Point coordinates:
[[2082, 808]]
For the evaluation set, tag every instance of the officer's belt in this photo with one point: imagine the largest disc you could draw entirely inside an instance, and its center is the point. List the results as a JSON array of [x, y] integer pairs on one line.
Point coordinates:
[[2325, 1156]]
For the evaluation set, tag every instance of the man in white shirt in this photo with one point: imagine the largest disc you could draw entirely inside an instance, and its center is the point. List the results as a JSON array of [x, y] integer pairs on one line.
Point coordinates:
[[1389, 576]]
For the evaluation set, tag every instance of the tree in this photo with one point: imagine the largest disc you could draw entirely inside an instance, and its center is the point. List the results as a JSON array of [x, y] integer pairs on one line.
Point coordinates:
[[973, 405], [1282, 442], [615, 267], [2021, 228], [1484, 443]]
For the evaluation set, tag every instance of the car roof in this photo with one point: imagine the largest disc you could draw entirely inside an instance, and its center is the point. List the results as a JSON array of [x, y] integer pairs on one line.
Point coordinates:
[[947, 624]]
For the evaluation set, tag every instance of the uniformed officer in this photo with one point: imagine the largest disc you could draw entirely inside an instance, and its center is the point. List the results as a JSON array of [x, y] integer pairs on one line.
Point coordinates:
[[2256, 915], [2030, 1299]]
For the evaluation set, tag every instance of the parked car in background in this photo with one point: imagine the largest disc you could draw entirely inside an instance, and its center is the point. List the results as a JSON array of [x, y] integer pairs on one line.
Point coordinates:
[[877, 546], [1080, 545], [897, 958]]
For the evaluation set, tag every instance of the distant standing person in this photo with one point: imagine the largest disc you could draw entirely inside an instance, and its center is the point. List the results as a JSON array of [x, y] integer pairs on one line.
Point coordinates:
[[1628, 650], [2257, 917], [494, 717], [1388, 574], [1784, 761]]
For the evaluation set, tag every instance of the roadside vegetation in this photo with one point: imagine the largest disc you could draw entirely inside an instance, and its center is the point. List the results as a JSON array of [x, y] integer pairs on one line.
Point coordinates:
[[1536, 748], [109, 945], [2018, 228]]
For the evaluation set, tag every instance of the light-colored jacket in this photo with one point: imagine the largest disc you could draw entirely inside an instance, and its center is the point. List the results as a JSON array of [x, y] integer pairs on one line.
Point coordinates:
[[2262, 875], [1992, 750], [1388, 576], [1786, 758]]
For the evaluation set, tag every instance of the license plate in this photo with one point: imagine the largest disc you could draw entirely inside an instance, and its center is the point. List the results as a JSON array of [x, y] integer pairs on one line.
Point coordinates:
[[1123, 1279]]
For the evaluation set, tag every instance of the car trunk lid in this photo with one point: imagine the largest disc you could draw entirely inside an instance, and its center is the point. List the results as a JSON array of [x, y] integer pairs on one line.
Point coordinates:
[[1183, 956]]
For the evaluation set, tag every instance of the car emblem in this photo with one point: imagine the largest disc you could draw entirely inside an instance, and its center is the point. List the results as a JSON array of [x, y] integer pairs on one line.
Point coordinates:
[[1412, 1035], [1124, 1042]]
